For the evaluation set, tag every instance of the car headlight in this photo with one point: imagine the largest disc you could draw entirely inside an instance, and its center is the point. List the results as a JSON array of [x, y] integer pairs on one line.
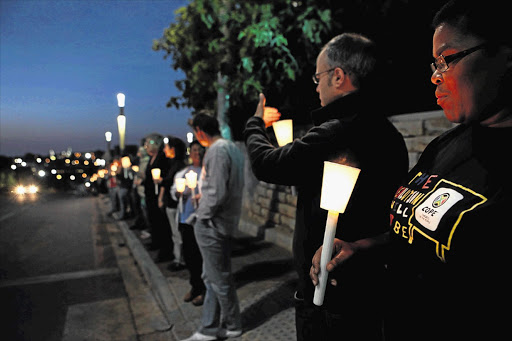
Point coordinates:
[[32, 189], [20, 190]]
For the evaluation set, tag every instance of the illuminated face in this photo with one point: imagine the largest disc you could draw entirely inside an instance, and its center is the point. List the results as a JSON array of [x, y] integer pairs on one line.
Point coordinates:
[[326, 90], [170, 152], [195, 153], [470, 85]]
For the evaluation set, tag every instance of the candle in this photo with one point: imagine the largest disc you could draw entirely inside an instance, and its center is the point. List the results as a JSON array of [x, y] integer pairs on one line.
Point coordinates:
[[180, 185], [284, 134], [155, 173], [126, 163], [284, 131], [191, 177], [337, 186]]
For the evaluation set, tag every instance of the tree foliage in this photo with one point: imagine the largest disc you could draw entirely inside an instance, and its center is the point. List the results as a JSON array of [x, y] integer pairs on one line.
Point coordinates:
[[271, 46]]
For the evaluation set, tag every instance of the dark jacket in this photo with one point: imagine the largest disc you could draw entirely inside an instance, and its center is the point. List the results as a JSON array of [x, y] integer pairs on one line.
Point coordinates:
[[348, 131]]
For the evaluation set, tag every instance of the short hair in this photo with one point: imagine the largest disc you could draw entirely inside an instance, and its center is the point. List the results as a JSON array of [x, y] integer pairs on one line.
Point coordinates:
[[156, 138], [483, 20], [354, 53], [206, 123]]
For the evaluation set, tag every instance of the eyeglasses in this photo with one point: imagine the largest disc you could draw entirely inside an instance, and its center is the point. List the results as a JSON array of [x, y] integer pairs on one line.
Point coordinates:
[[441, 63], [316, 80]]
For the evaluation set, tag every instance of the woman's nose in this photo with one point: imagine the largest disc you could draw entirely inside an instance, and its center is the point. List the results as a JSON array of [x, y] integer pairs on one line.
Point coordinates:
[[436, 78]]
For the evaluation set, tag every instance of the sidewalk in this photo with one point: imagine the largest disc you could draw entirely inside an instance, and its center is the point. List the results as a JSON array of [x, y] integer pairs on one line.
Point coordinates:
[[265, 284]]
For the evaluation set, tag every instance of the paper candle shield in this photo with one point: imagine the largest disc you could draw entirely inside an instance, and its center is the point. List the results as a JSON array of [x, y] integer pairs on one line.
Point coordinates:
[[337, 185], [155, 173], [125, 161], [180, 185], [284, 131], [191, 179]]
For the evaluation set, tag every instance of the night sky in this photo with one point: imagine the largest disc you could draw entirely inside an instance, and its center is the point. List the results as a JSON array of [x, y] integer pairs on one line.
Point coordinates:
[[62, 64]]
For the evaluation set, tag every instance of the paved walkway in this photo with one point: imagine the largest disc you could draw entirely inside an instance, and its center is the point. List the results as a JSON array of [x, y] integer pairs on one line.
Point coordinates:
[[265, 284]]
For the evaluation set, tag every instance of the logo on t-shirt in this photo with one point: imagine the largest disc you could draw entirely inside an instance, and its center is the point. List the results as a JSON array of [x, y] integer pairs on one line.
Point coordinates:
[[432, 207]]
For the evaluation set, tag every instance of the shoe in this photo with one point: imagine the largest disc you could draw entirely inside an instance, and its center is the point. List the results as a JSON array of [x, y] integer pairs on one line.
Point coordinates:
[[224, 333], [175, 266], [197, 336], [198, 300], [188, 297]]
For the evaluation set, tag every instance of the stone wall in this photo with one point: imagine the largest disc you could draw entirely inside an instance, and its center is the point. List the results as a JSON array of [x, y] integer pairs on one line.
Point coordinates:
[[269, 209]]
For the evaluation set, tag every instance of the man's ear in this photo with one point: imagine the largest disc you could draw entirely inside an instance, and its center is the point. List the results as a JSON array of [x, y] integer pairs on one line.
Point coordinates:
[[339, 77]]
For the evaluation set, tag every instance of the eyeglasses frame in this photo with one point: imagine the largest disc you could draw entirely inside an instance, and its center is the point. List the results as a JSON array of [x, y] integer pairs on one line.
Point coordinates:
[[452, 57], [316, 80]]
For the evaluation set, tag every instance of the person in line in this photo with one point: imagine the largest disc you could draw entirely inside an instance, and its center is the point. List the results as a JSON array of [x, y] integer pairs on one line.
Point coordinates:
[[218, 214], [345, 131], [124, 180], [160, 230], [449, 232], [138, 197], [191, 253], [175, 151]]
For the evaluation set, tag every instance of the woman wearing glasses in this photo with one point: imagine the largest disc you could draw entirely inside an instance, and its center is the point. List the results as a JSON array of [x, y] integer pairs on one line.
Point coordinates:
[[450, 225]]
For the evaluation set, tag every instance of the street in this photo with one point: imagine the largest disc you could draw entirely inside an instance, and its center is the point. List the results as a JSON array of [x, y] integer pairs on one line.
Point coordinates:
[[57, 264]]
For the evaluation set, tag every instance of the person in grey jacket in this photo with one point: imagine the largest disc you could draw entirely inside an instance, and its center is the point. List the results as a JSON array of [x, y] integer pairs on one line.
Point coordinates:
[[221, 184]]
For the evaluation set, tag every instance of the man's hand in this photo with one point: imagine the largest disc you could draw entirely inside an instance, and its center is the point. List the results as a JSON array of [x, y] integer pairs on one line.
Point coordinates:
[[268, 114], [342, 250]]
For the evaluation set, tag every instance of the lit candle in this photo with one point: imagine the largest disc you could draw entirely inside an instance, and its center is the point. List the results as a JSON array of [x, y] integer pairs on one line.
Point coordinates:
[[180, 185], [284, 134], [155, 173], [180, 188], [191, 177], [126, 163], [284, 131], [337, 186]]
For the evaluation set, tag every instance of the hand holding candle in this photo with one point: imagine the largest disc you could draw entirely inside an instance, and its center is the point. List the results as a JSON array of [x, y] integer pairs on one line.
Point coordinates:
[[337, 186], [191, 177], [155, 173], [126, 163]]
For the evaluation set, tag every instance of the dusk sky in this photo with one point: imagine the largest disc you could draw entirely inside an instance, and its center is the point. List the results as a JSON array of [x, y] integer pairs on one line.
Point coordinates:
[[63, 62]]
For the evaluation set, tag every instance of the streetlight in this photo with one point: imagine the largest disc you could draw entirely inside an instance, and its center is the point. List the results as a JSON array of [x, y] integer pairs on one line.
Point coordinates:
[[121, 121], [108, 137]]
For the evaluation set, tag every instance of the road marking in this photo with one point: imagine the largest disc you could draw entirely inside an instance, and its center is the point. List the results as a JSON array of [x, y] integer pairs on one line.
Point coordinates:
[[59, 277]]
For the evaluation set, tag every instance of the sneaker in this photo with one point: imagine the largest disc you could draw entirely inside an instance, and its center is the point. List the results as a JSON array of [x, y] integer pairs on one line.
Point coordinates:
[[224, 333], [197, 336]]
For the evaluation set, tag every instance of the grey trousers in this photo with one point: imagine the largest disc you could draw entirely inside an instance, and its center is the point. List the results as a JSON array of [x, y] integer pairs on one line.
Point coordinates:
[[221, 309]]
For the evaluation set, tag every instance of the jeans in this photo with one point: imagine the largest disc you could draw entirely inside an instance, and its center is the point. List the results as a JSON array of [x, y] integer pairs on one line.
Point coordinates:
[[176, 235], [221, 308]]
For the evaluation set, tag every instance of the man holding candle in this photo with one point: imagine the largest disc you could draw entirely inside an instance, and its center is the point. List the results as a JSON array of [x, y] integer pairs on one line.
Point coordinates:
[[449, 232], [191, 253], [350, 130], [159, 226], [218, 214]]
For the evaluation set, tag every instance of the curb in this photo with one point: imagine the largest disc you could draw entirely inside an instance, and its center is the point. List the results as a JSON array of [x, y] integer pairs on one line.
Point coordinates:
[[154, 277]]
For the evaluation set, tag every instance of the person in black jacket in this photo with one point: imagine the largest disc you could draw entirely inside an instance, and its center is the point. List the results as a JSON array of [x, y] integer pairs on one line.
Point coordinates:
[[449, 229], [159, 225], [348, 129]]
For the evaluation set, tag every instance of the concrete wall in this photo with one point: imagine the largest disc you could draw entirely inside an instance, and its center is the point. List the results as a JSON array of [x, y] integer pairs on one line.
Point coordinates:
[[269, 209]]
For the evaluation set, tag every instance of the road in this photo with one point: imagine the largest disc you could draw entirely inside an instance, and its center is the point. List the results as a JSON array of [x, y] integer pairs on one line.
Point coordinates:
[[58, 269]]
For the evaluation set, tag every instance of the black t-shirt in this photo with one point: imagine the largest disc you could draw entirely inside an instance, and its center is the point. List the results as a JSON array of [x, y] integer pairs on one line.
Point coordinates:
[[450, 227]]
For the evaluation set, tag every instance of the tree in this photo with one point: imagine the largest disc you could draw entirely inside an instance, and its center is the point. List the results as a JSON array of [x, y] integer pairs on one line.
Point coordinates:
[[241, 51], [232, 50]]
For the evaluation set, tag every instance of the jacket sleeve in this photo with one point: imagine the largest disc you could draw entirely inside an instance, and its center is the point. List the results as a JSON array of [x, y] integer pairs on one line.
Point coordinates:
[[294, 163]]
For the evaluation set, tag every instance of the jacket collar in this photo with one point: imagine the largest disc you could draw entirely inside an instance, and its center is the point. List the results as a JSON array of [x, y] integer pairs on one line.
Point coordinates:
[[345, 108]]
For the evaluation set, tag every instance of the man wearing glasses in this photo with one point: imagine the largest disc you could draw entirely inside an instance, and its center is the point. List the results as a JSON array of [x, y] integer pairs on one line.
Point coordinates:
[[350, 129]]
